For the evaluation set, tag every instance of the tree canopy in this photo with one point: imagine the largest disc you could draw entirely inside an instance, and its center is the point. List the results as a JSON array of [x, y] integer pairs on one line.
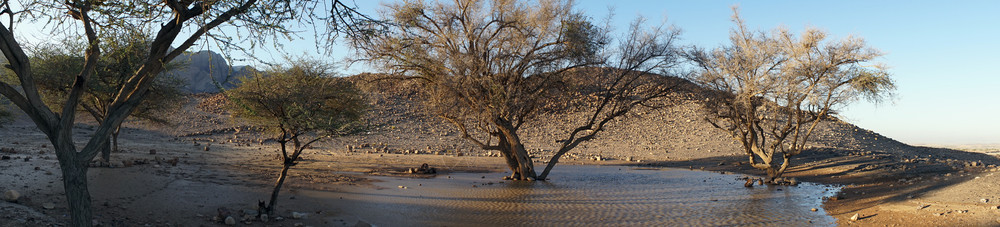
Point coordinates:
[[489, 66], [770, 90]]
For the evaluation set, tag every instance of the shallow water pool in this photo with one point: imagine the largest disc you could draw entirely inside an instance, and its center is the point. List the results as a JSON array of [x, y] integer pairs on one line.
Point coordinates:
[[584, 196]]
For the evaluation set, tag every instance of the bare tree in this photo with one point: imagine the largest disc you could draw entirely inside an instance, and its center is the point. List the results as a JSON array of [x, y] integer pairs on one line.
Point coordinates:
[[300, 104], [771, 90], [181, 23], [487, 67]]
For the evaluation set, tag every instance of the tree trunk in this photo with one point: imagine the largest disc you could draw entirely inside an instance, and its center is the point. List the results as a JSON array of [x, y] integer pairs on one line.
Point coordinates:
[[277, 187], [508, 155], [75, 184], [114, 139], [106, 152], [518, 159], [525, 166]]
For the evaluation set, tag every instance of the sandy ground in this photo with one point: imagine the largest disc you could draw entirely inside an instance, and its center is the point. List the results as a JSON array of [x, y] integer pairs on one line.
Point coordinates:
[[224, 164]]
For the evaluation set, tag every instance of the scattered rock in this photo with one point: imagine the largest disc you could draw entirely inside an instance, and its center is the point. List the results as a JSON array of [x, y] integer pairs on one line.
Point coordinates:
[[222, 212], [11, 196], [814, 209], [424, 169], [152, 151], [297, 215], [749, 183], [206, 148], [263, 217], [48, 206], [855, 217], [230, 220], [923, 206], [403, 187], [299, 224], [984, 200]]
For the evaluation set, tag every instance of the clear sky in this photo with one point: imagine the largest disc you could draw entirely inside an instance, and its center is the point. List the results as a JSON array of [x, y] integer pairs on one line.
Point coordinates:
[[944, 55]]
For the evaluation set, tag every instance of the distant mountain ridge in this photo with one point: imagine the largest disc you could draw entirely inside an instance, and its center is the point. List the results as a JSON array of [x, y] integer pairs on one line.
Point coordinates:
[[203, 69]]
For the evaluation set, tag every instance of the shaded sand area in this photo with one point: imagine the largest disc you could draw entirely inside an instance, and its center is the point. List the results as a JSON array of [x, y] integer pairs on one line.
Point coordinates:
[[183, 173]]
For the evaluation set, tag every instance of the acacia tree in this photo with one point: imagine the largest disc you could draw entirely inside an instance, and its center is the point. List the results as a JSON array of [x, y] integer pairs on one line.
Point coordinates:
[[488, 67], [300, 104], [125, 51], [174, 22], [771, 90]]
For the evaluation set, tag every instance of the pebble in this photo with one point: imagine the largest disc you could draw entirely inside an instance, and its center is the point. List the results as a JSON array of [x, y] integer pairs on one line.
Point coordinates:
[[11, 196], [48, 206], [230, 220], [814, 209], [855, 217], [984, 200], [263, 217], [297, 215]]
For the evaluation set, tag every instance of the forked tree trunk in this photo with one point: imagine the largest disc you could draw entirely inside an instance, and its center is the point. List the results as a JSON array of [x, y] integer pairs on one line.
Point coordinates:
[[114, 139], [776, 171]]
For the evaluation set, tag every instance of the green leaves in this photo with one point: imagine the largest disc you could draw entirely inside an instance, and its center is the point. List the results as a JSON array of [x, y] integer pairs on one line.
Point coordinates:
[[297, 100]]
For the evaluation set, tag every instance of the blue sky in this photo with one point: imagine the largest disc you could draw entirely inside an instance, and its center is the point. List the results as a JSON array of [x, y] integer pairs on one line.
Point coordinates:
[[943, 55]]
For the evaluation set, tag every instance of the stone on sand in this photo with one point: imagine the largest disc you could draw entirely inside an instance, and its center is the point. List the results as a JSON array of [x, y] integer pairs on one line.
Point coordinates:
[[855, 217], [230, 220], [11, 195], [297, 215]]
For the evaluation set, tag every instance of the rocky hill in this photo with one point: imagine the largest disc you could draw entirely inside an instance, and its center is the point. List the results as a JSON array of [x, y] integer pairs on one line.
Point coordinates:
[[202, 70], [398, 124]]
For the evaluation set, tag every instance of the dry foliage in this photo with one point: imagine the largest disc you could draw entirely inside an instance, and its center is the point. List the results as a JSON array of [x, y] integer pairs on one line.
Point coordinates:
[[771, 90]]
